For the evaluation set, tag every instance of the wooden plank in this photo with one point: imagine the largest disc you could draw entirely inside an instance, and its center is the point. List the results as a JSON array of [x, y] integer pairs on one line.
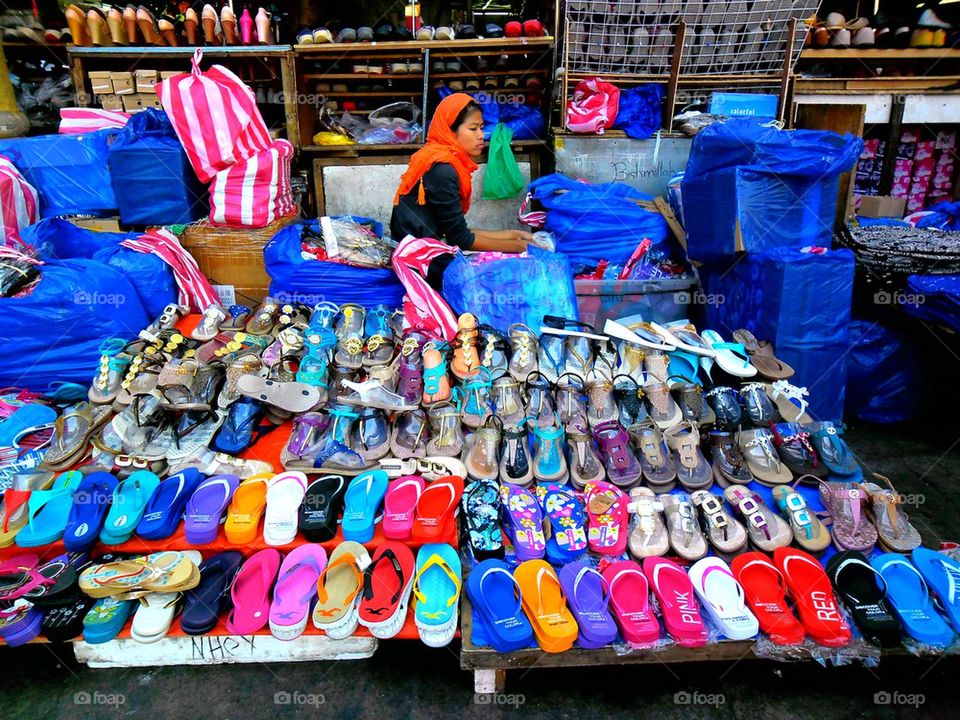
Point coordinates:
[[890, 54], [893, 138], [663, 207], [675, 63], [787, 68], [118, 51], [495, 45], [79, 81], [288, 76]]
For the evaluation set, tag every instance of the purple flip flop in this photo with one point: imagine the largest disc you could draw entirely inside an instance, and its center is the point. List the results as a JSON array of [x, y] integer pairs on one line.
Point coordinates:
[[206, 507], [588, 596], [523, 522], [20, 624]]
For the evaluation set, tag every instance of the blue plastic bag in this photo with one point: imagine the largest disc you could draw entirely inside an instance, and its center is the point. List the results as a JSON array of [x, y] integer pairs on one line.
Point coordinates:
[[151, 277], [512, 288], [152, 178], [526, 121], [640, 112], [884, 377], [599, 222], [943, 216], [800, 302], [756, 187], [295, 279], [935, 298], [70, 172], [54, 333]]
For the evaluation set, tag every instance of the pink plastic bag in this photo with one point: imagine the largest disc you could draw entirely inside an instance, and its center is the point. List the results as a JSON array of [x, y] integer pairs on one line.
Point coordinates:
[[594, 107], [18, 201]]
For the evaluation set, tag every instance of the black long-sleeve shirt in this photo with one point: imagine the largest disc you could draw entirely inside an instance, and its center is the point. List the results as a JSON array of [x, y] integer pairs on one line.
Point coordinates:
[[441, 217]]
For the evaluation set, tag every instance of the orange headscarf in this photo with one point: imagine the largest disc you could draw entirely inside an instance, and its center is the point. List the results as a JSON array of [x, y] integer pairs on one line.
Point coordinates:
[[442, 147]]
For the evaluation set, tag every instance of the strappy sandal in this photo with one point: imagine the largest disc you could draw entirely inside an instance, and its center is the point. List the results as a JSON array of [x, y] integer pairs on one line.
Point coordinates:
[[827, 440], [71, 435], [686, 539], [508, 403], [655, 459], [725, 533], [349, 332], [379, 349], [693, 471], [140, 379], [629, 398], [726, 405], [483, 458], [761, 456], [571, 401], [493, 347], [656, 364], [729, 465], [549, 463], [193, 392], [660, 404], [308, 429], [465, 357], [372, 434], [550, 359], [622, 466], [474, 397], [795, 449], [289, 341], [584, 463], [410, 368], [210, 323], [114, 362], [601, 407], [516, 463], [808, 532], [631, 362], [410, 434], [264, 319], [540, 405], [168, 319], [790, 401], [648, 535], [758, 405], [689, 397], [243, 365], [766, 529], [524, 352], [895, 533], [436, 385], [447, 440], [762, 356], [236, 319]]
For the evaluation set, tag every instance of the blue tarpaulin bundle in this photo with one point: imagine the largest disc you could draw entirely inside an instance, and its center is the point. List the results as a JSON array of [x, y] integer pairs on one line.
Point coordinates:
[[884, 376]]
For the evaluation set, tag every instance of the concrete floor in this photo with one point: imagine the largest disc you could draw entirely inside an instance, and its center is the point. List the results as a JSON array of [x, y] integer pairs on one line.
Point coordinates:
[[411, 681]]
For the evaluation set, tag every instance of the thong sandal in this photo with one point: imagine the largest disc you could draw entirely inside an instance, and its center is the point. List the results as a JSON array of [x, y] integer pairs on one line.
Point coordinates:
[[648, 537], [808, 531], [790, 402], [71, 434], [846, 503], [895, 533], [762, 356], [693, 471]]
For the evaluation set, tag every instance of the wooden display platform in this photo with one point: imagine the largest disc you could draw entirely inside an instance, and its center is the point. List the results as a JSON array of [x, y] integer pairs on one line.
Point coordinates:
[[890, 54]]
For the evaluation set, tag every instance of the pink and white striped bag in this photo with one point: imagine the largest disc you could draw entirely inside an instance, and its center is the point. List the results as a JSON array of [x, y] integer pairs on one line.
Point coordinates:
[[87, 120], [256, 191], [215, 116], [18, 201], [594, 107]]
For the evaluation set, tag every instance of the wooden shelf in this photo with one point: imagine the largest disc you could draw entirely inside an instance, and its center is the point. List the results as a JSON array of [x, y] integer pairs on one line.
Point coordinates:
[[918, 84], [410, 147], [418, 76], [487, 45], [417, 93], [880, 54], [246, 51], [33, 45], [488, 73]]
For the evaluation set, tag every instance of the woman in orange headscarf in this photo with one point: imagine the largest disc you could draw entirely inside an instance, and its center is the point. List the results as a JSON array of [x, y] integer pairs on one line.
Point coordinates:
[[434, 194]]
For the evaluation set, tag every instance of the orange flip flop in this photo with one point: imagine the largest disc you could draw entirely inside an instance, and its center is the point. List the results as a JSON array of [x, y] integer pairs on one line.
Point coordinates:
[[546, 606], [246, 509], [436, 508]]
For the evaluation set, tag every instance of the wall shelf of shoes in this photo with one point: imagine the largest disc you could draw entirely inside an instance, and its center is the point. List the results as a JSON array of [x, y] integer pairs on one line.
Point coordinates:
[[334, 79]]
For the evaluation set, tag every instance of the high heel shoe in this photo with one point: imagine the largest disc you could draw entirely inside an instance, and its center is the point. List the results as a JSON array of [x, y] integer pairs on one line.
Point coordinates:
[[168, 32], [246, 27], [77, 22], [210, 22], [115, 23], [190, 22], [130, 23], [264, 36], [228, 21], [97, 26], [148, 26]]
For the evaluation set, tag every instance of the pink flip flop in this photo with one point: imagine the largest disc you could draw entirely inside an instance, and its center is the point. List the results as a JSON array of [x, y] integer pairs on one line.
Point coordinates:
[[399, 506], [678, 604], [251, 593], [607, 529], [21, 576], [630, 602], [295, 591]]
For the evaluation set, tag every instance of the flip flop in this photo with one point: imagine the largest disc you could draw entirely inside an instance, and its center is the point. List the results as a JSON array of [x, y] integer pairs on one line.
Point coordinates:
[[566, 518], [154, 616], [762, 356], [832, 450], [498, 608], [766, 593], [813, 597], [523, 522], [436, 587], [130, 499], [295, 591], [480, 508], [285, 494], [387, 583], [206, 507], [630, 602], [678, 603], [339, 587], [165, 508], [909, 595], [790, 402], [942, 574], [245, 510], [104, 621], [21, 575], [808, 531], [362, 502], [767, 530], [607, 518], [544, 603], [48, 511], [400, 505], [59, 582], [723, 598], [683, 334], [436, 509], [15, 502], [210, 599], [71, 435], [648, 537], [731, 357], [725, 534], [251, 592], [588, 594], [894, 531], [158, 572], [864, 592], [846, 503], [25, 420], [686, 537], [637, 333], [321, 508]]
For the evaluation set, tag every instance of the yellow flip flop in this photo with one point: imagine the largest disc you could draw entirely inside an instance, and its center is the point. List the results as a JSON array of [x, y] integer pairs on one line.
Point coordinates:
[[246, 509]]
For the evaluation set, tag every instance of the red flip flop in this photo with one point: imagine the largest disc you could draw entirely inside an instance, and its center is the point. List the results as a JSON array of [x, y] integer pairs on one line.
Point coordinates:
[[767, 595], [387, 582], [678, 603], [813, 595], [436, 509]]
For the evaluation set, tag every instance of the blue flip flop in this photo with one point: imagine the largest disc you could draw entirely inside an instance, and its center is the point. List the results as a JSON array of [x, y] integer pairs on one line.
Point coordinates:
[[238, 431], [104, 621], [497, 607], [436, 586], [362, 500], [129, 503], [91, 503], [211, 598], [942, 574], [567, 516], [48, 511], [25, 420], [909, 595], [165, 509], [685, 365]]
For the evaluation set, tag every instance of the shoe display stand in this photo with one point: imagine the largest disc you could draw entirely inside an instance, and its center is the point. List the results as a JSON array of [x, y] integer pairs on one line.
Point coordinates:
[[873, 70]]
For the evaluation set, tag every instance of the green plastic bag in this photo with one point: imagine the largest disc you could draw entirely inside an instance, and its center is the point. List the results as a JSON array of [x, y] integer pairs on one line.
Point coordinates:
[[503, 179]]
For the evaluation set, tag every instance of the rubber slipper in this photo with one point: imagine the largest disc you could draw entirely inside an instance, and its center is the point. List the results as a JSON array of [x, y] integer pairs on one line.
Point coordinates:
[[544, 603], [285, 494], [25, 420], [436, 587], [762, 356], [630, 602], [498, 608], [294, 397], [20, 624], [61, 581], [400, 505], [245, 510], [606, 518], [909, 595], [21, 575], [177, 570], [683, 334], [362, 502], [863, 590], [205, 604], [339, 588], [295, 591], [846, 503], [14, 504], [91, 503], [767, 530], [808, 531], [165, 508], [250, 592], [206, 508], [436, 509], [723, 598], [106, 619], [523, 522], [731, 357], [48, 511], [481, 506], [813, 597], [321, 508], [766, 593], [387, 583], [678, 603], [588, 595], [240, 428], [942, 574], [154, 616], [157, 572], [567, 518], [130, 499]]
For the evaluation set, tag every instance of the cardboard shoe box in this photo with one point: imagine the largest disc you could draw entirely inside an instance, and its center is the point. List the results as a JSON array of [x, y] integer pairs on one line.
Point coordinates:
[[122, 83], [882, 206], [145, 80], [100, 82]]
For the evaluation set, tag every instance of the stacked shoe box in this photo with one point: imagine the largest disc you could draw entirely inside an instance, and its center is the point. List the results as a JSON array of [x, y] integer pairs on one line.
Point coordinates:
[[941, 188], [870, 167]]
